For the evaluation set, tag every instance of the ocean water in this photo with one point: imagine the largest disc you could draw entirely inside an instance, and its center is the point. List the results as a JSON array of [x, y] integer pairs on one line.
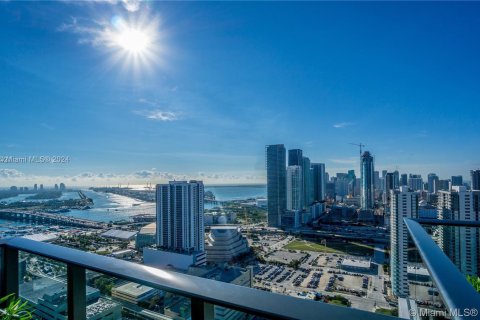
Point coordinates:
[[224, 193]]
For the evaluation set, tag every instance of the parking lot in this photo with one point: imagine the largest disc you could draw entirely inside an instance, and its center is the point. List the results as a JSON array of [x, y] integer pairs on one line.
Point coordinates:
[[319, 273]]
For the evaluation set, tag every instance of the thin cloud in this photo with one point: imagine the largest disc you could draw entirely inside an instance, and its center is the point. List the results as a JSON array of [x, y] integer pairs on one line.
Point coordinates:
[[10, 176], [129, 5], [161, 115], [342, 125], [92, 32], [10, 173]]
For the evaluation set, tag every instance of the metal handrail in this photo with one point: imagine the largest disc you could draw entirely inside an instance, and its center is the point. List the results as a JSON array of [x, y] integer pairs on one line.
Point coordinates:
[[457, 293], [207, 291]]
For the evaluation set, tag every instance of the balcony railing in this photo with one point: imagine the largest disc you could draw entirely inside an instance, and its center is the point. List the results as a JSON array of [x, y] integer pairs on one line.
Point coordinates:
[[457, 293], [203, 293]]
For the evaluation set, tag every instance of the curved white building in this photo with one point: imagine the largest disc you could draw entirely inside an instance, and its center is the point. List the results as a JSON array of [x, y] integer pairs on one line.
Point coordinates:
[[223, 243]]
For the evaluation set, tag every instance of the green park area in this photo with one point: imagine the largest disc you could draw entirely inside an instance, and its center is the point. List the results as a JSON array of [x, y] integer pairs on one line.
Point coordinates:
[[387, 312], [350, 248]]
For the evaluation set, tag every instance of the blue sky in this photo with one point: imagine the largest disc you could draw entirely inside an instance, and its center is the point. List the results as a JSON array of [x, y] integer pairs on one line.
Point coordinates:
[[219, 81]]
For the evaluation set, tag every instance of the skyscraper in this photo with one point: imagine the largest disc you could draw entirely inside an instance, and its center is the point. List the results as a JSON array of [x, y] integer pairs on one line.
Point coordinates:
[[396, 179], [376, 180], [294, 188], [460, 244], [457, 180], [389, 186], [180, 211], [319, 181], [475, 179], [367, 188], [404, 180], [384, 173], [295, 157], [352, 182], [403, 204], [415, 182], [276, 183], [432, 183], [307, 183]]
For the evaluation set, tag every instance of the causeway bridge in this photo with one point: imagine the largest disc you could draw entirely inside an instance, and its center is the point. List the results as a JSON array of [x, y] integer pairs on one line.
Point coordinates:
[[49, 218]]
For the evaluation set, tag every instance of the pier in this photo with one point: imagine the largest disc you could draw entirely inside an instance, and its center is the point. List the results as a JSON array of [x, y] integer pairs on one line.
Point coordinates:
[[49, 218]]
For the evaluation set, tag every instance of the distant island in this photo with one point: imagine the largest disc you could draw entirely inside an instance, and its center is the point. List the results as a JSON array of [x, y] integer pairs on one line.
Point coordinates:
[[49, 194]]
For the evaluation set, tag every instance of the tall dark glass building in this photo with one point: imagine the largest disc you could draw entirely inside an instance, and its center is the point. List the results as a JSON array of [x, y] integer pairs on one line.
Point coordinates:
[[307, 183], [367, 179], [276, 183], [457, 180], [319, 181], [432, 182], [295, 157], [475, 179]]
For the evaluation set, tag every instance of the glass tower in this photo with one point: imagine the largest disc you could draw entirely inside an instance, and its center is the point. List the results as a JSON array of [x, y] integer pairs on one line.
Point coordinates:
[[276, 183], [367, 174]]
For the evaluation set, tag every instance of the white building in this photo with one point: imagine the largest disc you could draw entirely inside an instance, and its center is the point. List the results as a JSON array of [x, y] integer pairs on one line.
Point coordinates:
[[403, 204], [294, 188], [180, 214], [133, 292], [225, 243], [460, 244]]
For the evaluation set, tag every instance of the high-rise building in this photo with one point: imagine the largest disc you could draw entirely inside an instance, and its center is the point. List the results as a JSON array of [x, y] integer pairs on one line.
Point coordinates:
[[180, 211], [396, 179], [35, 187], [415, 182], [404, 180], [56, 186], [389, 186], [460, 244], [384, 173], [276, 183], [330, 190], [307, 183], [295, 157], [352, 182], [457, 181], [404, 204], [41, 186], [441, 185], [376, 180], [432, 183], [367, 188], [294, 188], [475, 179], [62, 187], [319, 181]]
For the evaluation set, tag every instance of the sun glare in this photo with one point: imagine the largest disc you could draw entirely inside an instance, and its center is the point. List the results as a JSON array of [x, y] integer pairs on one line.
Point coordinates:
[[135, 43], [133, 40]]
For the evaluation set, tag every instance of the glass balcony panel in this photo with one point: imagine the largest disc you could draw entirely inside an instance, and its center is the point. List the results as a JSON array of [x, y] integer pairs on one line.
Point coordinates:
[[112, 298], [43, 283]]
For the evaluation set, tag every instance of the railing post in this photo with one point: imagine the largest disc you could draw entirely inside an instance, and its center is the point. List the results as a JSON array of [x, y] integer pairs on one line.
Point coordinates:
[[9, 271], [202, 310], [76, 292]]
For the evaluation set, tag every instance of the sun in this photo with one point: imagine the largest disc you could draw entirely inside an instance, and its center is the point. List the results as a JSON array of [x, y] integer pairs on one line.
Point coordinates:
[[134, 41]]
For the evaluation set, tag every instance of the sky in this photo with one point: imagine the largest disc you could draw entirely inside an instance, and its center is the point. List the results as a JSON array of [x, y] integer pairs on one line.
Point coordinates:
[[207, 85]]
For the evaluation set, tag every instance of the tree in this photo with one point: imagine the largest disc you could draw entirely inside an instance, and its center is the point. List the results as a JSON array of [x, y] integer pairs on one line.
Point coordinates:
[[475, 282], [16, 309]]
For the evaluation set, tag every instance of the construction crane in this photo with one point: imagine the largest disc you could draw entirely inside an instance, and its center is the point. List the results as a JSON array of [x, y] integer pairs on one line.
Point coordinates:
[[360, 145]]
